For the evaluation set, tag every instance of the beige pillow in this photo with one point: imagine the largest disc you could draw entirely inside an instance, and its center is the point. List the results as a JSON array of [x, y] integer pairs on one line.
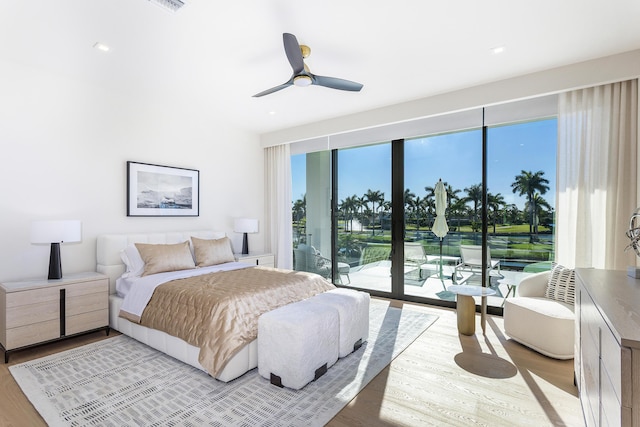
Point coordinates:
[[562, 284], [212, 252], [161, 258]]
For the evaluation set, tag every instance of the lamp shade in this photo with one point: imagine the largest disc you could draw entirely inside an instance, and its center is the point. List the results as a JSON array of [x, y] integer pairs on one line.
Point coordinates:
[[56, 231], [245, 225]]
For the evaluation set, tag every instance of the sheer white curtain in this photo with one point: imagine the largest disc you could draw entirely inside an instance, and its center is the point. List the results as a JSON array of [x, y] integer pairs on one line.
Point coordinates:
[[597, 175], [278, 236]]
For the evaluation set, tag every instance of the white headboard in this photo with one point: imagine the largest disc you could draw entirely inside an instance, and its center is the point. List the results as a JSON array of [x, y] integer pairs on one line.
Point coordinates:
[[110, 245]]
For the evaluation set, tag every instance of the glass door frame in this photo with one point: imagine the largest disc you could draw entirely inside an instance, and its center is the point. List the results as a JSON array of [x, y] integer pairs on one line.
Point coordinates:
[[398, 227]]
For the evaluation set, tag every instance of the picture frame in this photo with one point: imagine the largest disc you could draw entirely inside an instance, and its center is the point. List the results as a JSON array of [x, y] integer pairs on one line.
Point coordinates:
[[156, 190]]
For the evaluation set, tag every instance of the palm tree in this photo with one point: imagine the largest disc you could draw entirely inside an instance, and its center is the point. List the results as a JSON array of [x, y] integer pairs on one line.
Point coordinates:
[[494, 202], [298, 212], [361, 203], [452, 194], [374, 197], [420, 207], [409, 203], [474, 195], [457, 209], [528, 183], [299, 209], [351, 205], [511, 213], [345, 207], [538, 203]]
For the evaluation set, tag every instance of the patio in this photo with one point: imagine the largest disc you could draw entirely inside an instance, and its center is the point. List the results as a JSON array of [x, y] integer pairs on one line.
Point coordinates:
[[377, 276]]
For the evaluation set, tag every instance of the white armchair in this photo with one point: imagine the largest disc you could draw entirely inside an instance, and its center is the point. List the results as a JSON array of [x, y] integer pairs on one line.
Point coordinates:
[[543, 324]]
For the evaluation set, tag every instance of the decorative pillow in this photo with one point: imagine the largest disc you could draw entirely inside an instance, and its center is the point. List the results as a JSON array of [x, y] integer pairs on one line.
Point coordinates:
[[562, 284], [212, 252], [161, 258], [132, 261]]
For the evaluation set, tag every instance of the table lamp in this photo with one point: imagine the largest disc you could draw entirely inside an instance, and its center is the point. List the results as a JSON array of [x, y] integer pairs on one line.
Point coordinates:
[[245, 225], [55, 232]]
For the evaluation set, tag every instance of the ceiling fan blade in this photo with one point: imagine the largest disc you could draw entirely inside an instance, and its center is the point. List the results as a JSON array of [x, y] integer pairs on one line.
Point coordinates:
[[274, 89], [335, 83], [294, 55]]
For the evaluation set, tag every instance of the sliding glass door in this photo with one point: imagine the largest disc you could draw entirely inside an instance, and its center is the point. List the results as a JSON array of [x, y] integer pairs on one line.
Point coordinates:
[[432, 253], [365, 216]]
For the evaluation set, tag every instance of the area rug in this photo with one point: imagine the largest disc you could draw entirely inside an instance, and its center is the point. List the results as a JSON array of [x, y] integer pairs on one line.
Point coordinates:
[[121, 382]]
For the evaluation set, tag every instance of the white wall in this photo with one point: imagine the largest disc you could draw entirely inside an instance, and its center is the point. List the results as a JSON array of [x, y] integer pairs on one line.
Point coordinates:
[[65, 145], [609, 69]]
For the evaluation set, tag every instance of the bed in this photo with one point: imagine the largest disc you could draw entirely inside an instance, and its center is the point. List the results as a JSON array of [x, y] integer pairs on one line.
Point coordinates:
[[110, 248]]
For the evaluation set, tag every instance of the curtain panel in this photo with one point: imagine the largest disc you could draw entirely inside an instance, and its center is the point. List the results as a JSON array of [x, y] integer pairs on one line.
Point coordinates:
[[279, 235], [597, 171]]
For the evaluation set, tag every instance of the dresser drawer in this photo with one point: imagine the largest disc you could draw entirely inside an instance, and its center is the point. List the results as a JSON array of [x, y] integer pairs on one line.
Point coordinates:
[[86, 303], [93, 287], [34, 296], [32, 334], [611, 355], [87, 321], [33, 314]]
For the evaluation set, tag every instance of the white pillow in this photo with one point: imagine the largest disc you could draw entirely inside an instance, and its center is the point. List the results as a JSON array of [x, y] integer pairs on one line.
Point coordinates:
[[132, 260]]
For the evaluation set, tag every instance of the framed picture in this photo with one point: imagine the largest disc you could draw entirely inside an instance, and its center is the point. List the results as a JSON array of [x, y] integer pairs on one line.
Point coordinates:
[[154, 190]]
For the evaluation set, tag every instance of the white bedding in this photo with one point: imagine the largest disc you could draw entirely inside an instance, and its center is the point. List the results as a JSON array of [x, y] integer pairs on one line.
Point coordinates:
[[109, 262], [137, 291]]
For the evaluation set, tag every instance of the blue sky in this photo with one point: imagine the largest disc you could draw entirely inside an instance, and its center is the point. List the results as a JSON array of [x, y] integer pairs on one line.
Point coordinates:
[[455, 158]]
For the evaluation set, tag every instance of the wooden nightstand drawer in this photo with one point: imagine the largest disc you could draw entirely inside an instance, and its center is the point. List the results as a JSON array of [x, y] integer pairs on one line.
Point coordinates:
[[32, 334], [264, 260], [87, 321], [33, 314], [35, 296], [86, 288], [86, 304]]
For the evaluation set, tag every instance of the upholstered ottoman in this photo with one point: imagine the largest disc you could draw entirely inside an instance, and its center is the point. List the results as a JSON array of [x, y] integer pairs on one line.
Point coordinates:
[[297, 343], [353, 308]]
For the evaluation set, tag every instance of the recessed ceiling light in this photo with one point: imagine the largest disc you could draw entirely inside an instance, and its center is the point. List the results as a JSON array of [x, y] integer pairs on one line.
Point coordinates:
[[272, 113], [497, 50], [101, 46]]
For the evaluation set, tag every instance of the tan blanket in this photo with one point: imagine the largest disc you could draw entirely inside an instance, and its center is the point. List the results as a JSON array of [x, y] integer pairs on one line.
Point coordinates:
[[218, 312]]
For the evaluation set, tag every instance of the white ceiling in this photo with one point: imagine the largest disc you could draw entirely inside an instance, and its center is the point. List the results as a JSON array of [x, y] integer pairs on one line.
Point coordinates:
[[213, 55]]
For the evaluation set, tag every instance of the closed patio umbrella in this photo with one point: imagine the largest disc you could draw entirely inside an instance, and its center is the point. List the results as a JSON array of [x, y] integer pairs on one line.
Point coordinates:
[[440, 227]]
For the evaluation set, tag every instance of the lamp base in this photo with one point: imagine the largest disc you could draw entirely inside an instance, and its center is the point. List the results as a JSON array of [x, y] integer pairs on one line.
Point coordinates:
[[245, 244], [55, 265]]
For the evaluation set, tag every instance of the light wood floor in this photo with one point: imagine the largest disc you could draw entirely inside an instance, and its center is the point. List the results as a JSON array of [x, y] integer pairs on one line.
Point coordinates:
[[442, 379]]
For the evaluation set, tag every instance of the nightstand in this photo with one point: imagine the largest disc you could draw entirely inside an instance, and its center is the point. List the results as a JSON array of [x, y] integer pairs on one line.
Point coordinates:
[[257, 258], [34, 312]]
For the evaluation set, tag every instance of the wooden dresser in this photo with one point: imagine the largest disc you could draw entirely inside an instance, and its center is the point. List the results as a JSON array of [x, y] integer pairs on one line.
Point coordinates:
[[36, 311], [607, 359]]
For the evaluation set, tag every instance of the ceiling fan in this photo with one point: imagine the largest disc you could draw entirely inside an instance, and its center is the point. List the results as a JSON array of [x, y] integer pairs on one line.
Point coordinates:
[[301, 74]]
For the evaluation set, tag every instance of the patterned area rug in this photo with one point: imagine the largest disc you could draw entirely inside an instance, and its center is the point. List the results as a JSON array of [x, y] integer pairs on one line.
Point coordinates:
[[121, 382]]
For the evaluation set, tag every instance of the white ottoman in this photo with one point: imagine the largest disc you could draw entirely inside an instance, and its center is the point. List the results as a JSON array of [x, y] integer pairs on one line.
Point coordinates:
[[542, 324], [353, 308], [297, 343]]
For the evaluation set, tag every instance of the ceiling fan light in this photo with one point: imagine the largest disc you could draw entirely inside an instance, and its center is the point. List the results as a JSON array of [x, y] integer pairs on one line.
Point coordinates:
[[302, 81]]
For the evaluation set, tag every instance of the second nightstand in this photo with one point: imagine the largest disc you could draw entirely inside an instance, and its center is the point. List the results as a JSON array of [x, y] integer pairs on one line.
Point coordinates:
[[257, 258]]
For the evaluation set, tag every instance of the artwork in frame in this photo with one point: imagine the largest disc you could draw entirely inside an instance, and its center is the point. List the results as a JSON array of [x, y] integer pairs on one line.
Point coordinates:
[[154, 190]]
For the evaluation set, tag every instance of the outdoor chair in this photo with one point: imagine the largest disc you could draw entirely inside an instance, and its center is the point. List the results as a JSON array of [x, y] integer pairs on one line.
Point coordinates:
[[414, 255], [308, 258], [471, 261]]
